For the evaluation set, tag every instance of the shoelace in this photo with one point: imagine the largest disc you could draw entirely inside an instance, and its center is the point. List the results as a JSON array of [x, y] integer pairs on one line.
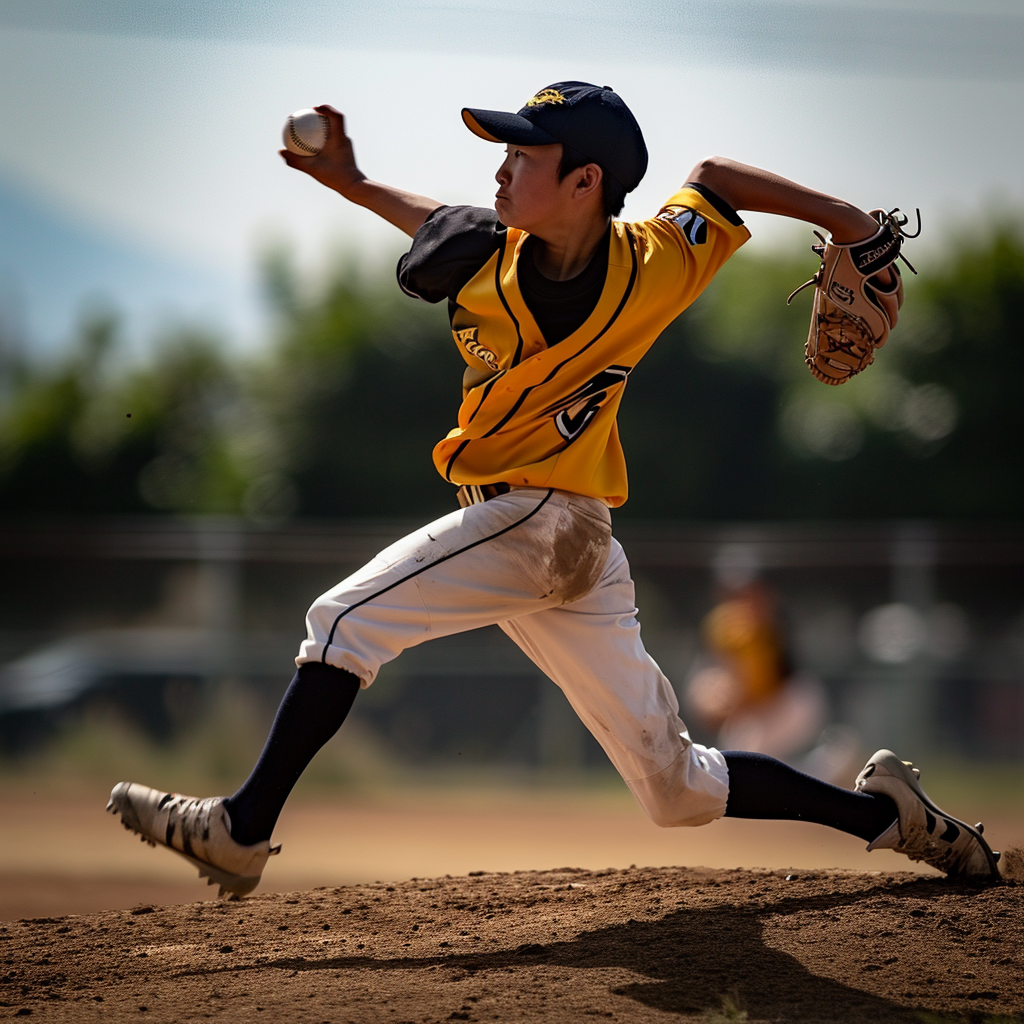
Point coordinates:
[[191, 815]]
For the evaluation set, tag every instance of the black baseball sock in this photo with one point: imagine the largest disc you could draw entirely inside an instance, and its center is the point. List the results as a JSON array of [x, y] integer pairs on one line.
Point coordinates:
[[311, 712], [762, 787]]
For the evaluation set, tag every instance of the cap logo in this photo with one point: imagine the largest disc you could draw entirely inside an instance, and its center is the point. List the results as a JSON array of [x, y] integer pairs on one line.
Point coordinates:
[[545, 96]]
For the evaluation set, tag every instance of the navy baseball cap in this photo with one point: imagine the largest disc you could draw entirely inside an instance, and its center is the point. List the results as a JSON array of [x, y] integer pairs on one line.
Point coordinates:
[[589, 118]]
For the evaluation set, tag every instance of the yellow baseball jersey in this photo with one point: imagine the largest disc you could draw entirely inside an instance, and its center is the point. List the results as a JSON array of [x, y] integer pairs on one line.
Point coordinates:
[[543, 415]]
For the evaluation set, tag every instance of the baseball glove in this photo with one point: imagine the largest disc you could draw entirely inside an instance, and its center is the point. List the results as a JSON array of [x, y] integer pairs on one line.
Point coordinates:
[[856, 303]]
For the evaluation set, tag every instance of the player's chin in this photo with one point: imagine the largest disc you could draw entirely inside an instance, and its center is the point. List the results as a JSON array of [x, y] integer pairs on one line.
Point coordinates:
[[506, 213]]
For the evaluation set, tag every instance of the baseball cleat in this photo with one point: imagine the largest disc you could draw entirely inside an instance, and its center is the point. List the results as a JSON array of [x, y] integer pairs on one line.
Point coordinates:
[[923, 831], [198, 830]]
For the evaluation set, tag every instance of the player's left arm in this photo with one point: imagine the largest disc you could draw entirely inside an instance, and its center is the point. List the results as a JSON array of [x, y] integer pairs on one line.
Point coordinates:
[[759, 191]]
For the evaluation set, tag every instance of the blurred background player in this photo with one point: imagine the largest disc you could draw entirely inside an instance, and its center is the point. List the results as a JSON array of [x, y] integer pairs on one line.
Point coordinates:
[[745, 687]]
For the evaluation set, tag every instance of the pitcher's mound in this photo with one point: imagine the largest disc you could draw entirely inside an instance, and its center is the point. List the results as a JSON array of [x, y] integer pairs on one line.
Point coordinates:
[[648, 944]]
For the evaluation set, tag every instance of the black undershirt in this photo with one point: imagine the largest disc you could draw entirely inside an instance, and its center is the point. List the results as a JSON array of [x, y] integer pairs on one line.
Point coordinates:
[[455, 242], [562, 307]]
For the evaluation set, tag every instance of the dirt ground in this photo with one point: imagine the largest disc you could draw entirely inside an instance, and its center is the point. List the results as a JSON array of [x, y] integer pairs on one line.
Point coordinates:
[[483, 931], [61, 854], [647, 944]]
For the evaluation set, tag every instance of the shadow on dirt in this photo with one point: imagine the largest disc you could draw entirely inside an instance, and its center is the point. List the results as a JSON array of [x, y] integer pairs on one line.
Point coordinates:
[[696, 959]]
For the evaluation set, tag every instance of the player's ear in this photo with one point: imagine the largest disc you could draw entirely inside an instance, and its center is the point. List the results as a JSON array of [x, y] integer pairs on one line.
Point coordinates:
[[590, 177]]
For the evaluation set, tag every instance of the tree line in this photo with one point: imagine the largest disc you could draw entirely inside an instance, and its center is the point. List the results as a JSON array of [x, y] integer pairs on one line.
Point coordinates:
[[336, 416]]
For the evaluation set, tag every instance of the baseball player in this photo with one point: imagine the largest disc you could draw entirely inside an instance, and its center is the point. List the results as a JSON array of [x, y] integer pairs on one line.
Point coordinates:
[[745, 689], [552, 303]]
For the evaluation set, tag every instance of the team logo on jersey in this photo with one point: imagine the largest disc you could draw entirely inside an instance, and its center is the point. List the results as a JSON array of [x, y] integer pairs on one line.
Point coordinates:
[[545, 96], [467, 338], [693, 226], [574, 413]]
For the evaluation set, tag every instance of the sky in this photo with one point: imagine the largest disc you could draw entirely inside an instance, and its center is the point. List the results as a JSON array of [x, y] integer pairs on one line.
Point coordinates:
[[138, 138]]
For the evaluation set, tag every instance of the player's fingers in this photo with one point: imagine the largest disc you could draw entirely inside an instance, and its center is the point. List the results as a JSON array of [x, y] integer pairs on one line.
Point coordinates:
[[300, 163], [336, 117]]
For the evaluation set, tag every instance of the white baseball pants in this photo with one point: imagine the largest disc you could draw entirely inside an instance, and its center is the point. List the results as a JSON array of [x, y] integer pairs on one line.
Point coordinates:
[[542, 565]]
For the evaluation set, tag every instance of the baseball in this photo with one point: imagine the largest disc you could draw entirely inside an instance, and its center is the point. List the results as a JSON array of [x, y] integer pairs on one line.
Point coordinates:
[[305, 132]]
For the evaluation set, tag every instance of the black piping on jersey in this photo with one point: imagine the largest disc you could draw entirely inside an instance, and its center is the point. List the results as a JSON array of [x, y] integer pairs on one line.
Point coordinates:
[[423, 568], [501, 295], [451, 462], [526, 391], [485, 390], [717, 202], [519, 348]]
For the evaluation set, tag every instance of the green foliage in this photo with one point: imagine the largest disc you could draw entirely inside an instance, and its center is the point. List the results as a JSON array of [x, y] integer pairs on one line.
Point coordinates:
[[98, 742], [362, 382], [721, 419], [86, 436], [930, 430]]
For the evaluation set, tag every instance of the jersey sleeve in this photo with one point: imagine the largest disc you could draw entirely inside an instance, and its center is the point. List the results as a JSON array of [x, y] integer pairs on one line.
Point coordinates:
[[449, 248], [712, 198], [691, 238]]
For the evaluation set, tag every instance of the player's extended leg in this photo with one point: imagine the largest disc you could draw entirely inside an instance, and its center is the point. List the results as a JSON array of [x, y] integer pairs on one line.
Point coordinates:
[[451, 575], [312, 710], [592, 649], [524, 551], [888, 809], [228, 838]]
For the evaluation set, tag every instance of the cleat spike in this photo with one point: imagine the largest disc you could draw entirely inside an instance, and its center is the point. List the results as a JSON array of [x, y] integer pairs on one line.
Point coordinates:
[[980, 827], [997, 854]]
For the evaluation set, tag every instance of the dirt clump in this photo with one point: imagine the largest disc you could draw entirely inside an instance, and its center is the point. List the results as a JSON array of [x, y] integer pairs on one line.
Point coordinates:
[[636, 945]]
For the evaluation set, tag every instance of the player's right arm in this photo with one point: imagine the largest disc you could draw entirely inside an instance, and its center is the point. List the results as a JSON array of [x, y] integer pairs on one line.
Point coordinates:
[[335, 166]]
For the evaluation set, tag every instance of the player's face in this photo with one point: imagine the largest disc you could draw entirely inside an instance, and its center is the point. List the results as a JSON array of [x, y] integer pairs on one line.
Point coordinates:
[[529, 194]]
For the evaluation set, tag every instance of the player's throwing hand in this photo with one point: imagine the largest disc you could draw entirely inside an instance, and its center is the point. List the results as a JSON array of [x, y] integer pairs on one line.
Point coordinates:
[[335, 164]]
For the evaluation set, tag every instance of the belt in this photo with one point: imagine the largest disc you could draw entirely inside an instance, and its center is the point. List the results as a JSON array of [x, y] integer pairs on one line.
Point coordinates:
[[477, 494]]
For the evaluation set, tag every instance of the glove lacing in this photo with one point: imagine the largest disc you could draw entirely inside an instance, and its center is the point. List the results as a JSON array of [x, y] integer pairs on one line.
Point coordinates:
[[896, 219]]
